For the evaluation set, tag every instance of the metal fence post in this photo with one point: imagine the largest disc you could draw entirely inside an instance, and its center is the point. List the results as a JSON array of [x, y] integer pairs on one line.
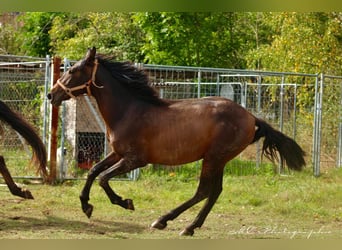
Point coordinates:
[[199, 84], [218, 85], [258, 156], [316, 159], [61, 166], [281, 169], [46, 87], [295, 112], [339, 153], [339, 157]]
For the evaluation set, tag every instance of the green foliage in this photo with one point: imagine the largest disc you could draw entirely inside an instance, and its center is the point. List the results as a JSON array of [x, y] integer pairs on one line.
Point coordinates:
[[295, 42], [301, 42], [193, 39], [33, 36], [8, 43], [111, 33]]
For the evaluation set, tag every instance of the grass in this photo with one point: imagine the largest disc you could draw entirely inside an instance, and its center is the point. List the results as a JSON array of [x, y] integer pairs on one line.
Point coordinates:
[[258, 206]]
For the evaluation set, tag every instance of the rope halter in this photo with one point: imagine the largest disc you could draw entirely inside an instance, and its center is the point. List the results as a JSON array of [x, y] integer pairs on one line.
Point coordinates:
[[86, 85]]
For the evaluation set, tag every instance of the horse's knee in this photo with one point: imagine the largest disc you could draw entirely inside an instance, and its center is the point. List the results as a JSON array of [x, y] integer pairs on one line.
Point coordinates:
[[103, 180], [93, 172]]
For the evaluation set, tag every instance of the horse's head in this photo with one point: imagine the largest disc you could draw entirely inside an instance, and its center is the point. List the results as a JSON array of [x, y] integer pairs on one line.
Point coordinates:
[[76, 81]]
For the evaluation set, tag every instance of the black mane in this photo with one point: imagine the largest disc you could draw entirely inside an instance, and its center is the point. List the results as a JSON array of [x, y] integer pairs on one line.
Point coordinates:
[[133, 79]]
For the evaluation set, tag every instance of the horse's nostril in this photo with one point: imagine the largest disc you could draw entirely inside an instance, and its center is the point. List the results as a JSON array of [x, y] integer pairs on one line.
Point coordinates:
[[49, 96]]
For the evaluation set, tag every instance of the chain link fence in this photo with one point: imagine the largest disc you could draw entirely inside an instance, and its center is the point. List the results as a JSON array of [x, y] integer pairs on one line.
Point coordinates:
[[329, 122], [274, 96], [306, 107]]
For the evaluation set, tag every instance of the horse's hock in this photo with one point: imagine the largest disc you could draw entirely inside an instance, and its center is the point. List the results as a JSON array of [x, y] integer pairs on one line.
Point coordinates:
[[84, 131]]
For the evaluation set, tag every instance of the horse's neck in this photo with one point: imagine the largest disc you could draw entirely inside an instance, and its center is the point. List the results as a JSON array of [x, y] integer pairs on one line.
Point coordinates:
[[112, 103]]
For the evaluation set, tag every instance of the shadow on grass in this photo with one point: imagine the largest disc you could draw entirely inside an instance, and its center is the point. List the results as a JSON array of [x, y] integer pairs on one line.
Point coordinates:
[[67, 229]]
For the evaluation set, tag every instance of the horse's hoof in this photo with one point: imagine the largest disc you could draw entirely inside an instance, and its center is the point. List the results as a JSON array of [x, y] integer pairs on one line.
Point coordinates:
[[187, 232], [89, 210], [26, 194], [158, 225], [130, 205]]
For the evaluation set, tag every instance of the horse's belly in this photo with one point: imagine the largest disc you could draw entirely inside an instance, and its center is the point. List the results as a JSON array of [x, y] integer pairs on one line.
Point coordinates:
[[174, 157], [175, 151]]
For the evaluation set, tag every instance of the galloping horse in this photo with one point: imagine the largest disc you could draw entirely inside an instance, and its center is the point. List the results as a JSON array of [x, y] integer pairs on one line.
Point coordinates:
[[28, 133], [142, 129]]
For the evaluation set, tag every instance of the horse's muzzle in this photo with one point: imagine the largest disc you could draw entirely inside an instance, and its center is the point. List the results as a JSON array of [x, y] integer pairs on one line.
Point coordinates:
[[54, 99]]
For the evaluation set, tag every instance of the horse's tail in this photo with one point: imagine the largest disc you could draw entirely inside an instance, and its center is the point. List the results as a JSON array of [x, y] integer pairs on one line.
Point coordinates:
[[275, 141], [29, 134]]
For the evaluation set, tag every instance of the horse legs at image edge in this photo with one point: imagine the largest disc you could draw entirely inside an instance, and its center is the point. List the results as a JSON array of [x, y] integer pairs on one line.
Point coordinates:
[[15, 190], [109, 167]]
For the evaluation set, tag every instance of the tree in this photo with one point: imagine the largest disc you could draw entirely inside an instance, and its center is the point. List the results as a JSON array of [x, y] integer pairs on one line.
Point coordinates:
[[295, 42], [33, 36], [306, 43], [192, 39], [7, 39], [8, 31], [302, 42], [112, 33]]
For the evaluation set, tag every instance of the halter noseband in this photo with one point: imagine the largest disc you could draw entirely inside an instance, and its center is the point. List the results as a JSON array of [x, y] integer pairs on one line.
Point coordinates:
[[86, 85]]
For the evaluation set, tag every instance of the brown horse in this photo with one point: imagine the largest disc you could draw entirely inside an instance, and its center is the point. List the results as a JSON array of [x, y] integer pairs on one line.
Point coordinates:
[[142, 129], [28, 133]]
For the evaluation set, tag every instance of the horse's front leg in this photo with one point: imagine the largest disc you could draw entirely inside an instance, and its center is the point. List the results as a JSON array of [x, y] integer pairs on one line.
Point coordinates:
[[110, 160], [121, 167], [15, 190]]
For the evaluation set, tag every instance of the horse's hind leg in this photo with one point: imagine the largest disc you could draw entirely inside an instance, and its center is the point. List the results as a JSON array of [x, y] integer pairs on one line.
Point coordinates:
[[210, 187], [200, 195], [214, 193], [14, 189]]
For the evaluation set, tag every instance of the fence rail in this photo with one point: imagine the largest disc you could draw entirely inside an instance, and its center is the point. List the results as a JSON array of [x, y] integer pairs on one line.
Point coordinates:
[[307, 107]]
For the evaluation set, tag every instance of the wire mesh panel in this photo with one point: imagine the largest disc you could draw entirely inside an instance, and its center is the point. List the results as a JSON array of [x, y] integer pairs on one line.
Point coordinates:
[[306, 107], [85, 140], [22, 85], [284, 100], [331, 125]]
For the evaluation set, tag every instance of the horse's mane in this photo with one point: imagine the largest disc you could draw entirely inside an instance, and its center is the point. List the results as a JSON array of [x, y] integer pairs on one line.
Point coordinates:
[[133, 79]]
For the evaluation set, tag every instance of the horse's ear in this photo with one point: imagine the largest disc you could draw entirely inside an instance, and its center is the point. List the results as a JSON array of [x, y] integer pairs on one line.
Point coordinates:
[[90, 56]]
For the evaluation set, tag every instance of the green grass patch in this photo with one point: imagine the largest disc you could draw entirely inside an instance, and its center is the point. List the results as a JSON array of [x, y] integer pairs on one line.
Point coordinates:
[[254, 206], [190, 171], [255, 203]]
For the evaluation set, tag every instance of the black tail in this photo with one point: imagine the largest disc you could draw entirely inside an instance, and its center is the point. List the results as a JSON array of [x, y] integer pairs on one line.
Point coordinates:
[[29, 134], [275, 141]]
